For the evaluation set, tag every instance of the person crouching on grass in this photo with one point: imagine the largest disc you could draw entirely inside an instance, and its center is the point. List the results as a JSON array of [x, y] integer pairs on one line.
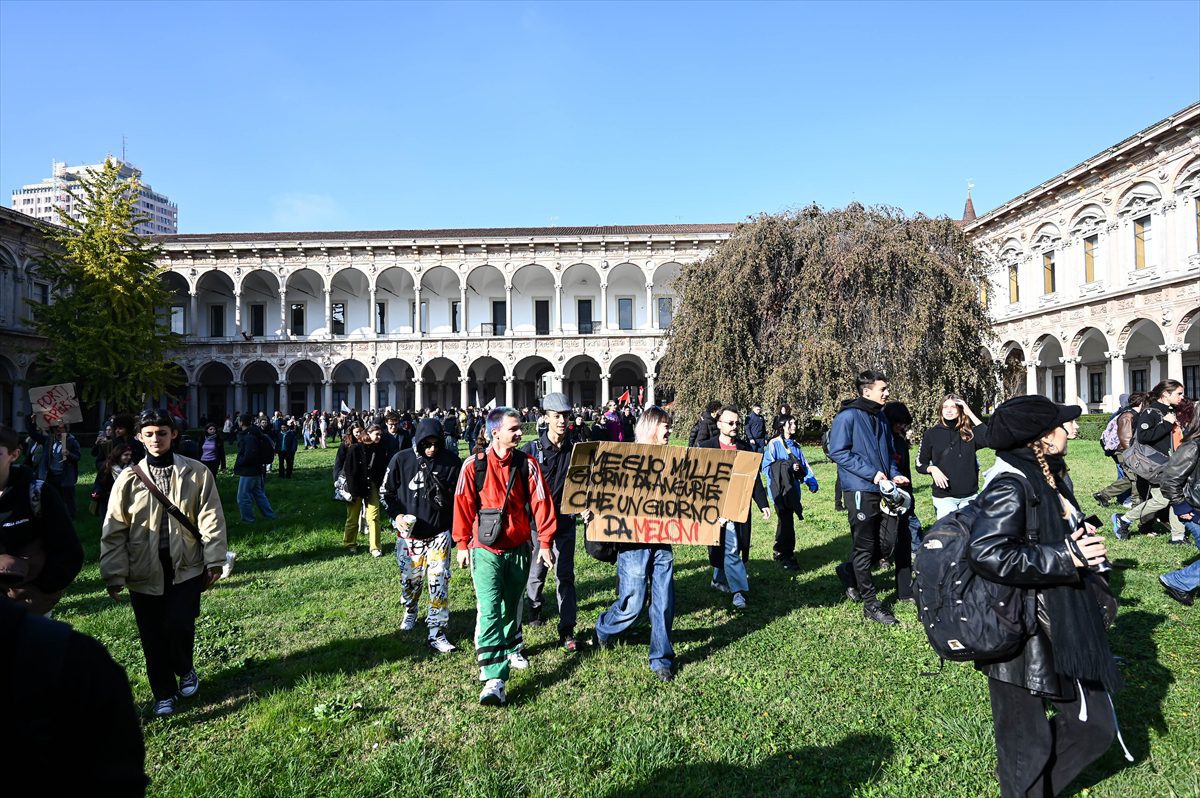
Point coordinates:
[[512, 500], [166, 559]]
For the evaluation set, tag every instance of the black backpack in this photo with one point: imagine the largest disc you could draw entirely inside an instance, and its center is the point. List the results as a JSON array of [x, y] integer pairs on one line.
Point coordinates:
[[966, 616]]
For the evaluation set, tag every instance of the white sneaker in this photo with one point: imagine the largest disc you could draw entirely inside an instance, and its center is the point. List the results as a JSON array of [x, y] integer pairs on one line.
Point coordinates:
[[189, 684], [517, 660], [720, 587], [739, 601], [493, 693], [440, 644], [165, 707], [227, 568], [408, 621], [376, 553]]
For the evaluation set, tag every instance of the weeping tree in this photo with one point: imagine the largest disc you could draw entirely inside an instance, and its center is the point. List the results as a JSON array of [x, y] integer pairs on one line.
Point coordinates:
[[105, 329], [793, 306]]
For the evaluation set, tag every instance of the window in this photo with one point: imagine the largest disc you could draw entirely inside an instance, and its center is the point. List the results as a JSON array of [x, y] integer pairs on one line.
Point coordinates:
[[258, 320], [297, 325], [337, 318], [412, 314], [1096, 387], [41, 293], [1014, 290], [380, 318], [1047, 272], [216, 321], [541, 316], [1137, 381], [1141, 239], [665, 312], [983, 295], [499, 321], [1060, 390], [1191, 382], [1089, 259], [177, 319], [456, 316], [625, 313], [583, 316]]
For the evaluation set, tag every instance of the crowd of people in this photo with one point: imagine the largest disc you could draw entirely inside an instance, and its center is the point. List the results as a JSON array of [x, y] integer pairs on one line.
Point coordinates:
[[498, 512]]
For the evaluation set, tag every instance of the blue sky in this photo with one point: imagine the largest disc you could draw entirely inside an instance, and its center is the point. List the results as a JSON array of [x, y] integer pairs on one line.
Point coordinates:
[[317, 116]]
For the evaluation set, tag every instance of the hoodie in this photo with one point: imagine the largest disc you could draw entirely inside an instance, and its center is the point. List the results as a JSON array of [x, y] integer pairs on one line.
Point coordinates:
[[422, 486], [860, 442]]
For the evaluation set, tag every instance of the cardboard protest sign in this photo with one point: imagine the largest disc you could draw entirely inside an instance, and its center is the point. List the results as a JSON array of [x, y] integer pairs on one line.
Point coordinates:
[[55, 403], [640, 493]]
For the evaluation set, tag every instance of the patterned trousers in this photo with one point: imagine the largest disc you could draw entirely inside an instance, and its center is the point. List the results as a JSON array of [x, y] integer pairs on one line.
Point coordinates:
[[421, 560]]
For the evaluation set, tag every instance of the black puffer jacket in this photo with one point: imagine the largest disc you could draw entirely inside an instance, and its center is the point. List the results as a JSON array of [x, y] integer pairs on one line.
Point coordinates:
[[1001, 551], [1180, 478]]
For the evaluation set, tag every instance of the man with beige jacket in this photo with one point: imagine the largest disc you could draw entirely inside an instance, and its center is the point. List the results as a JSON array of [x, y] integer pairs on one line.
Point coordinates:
[[164, 539]]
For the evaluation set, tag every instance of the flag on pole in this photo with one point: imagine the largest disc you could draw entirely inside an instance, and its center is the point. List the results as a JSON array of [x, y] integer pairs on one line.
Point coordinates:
[[345, 407], [490, 406], [623, 398]]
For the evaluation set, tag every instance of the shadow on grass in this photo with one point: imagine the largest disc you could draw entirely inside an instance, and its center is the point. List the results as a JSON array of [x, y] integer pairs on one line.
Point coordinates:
[[813, 771]]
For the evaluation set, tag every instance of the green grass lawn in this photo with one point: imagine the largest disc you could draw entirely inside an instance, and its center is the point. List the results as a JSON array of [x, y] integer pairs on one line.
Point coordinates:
[[308, 689]]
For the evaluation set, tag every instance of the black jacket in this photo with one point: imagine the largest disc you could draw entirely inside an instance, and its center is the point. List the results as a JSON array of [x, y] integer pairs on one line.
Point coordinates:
[[247, 463], [704, 429], [942, 446], [364, 466], [756, 430], [716, 554], [19, 527], [1001, 551], [1152, 429], [1180, 478], [407, 489]]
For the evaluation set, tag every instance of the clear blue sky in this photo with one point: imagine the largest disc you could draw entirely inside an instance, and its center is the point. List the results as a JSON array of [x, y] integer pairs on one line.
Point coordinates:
[[316, 116]]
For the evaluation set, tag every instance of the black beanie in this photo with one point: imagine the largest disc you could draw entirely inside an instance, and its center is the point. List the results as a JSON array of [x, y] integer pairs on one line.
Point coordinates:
[[1026, 418]]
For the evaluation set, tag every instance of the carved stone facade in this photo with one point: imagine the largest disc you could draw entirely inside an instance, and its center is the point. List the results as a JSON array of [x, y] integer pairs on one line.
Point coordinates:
[[421, 318], [22, 240], [1095, 289]]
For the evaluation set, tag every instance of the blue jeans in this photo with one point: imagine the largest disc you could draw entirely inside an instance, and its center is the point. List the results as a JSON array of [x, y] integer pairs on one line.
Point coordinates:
[[252, 491], [1187, 578], [633, 568], [944, 505], [733, 573], [915, 532]]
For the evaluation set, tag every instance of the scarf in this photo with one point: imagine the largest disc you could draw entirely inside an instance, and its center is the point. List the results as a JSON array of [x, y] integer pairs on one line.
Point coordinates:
[[1078, 638]]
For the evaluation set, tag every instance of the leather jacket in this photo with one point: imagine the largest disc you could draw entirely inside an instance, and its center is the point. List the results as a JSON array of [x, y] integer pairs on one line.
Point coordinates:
[[1180, 478], [1001, 551]]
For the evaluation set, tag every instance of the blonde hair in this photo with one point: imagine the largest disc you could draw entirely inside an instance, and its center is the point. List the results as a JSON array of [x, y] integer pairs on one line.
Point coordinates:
[[647, 425], [1039, 454]]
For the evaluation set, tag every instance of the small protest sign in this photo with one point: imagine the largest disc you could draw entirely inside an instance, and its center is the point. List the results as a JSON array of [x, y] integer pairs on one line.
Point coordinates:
[[53, 404], [639, 493]]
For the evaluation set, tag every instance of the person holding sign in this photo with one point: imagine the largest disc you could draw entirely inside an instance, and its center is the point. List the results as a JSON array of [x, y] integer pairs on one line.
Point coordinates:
[[785, 468], [500, 499], [59, 465], [730, 556], [637, 563]]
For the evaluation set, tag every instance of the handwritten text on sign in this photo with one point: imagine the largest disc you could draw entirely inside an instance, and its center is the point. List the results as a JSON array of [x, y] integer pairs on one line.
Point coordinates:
[[658, 494], [53, 404]]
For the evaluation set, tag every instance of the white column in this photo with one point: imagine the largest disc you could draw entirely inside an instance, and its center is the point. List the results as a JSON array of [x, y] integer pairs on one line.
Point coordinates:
[[372, 394], [1174, 360], [326, 396], [392, 395], [417, 403], [462, 392], [417, 311], [237, 314], [606, 388], [604, 306], [558, 296], [1071, 371], [328, 313], [1116, 375], [649, 307], [1031, 383], [193, 314], [462, 311], [508, 391], [283, 397], [649, 389], [193, 404], [508, 312], [283, 327]]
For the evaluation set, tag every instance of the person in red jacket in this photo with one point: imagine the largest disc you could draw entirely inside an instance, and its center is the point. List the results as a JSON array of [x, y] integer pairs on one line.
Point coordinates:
[[501, 478]]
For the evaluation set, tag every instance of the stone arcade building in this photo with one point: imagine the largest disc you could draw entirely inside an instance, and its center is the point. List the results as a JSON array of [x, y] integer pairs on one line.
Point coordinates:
[[1095, 290], [417, 318]]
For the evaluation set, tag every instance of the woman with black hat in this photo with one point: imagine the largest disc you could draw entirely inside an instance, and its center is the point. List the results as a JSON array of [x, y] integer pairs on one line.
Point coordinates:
[[1066, 661]]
